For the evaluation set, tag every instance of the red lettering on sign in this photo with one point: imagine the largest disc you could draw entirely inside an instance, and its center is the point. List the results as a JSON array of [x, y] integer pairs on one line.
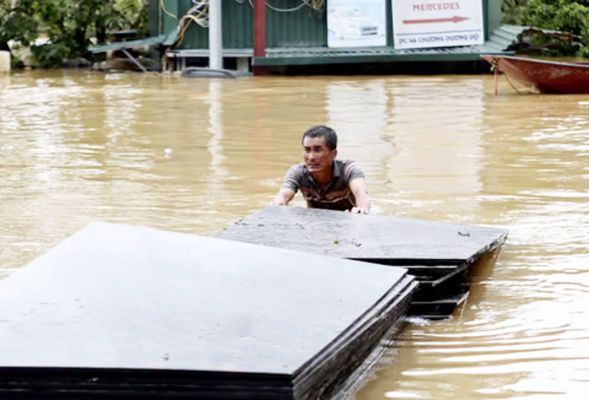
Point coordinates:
[[424, 7]]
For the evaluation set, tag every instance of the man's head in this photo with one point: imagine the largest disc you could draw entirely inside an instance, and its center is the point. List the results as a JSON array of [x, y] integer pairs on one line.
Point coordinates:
[[319, 131], [319, 150]]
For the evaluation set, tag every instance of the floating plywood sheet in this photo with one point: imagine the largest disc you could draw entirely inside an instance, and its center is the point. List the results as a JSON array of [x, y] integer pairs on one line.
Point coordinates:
[[124, 310], [374, 238], [438, 254]]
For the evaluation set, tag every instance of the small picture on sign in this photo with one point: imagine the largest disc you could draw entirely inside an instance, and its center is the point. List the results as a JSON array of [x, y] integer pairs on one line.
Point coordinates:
[[356, 23]]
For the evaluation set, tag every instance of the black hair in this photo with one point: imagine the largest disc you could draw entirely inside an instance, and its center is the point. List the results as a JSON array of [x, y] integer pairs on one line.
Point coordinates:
[[322, 131]]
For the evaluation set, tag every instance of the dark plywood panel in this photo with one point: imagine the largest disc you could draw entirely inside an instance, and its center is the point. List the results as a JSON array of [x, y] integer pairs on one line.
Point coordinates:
[[58, 383], [127, 297], [375, 238]]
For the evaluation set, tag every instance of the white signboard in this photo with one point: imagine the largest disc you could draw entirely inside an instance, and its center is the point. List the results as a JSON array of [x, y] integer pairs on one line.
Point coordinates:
[[437, 23], [356, 23]]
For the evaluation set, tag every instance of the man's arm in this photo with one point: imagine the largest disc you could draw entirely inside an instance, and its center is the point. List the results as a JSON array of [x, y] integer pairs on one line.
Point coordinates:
[[358, 188], [289, 187], [283, 197]]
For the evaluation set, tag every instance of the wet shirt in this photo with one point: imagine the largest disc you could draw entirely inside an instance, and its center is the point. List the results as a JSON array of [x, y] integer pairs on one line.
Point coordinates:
[[335, 196]]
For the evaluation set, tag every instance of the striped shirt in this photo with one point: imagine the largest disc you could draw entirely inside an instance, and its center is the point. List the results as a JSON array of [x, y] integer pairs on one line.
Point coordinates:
[[335, 196]]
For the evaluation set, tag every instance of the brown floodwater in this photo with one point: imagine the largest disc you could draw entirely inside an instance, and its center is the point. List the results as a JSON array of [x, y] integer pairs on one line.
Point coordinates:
[[194, 155]]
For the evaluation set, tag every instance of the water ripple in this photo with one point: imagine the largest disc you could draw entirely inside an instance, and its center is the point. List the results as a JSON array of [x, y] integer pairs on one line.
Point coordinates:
[[196, 155]]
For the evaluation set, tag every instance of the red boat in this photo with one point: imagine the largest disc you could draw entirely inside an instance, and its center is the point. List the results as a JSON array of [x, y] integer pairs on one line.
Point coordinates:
[[544, 76]]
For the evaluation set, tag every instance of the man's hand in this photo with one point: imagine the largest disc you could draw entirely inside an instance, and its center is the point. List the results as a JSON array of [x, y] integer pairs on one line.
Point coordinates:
[[283, 197], [358, 187]]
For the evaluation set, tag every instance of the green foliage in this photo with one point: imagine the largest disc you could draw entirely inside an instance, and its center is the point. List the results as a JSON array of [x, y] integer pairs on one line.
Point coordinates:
[[584, 52], [561, 15], [132, 14], [511, 10], [69, 25], [17, 22], [50, 55]]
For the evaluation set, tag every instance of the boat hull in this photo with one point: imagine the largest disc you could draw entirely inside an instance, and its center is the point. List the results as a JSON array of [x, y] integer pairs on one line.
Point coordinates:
[[544, 76]]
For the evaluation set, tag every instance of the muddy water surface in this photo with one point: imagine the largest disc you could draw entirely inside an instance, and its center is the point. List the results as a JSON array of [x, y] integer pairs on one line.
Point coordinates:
[[194, 155]]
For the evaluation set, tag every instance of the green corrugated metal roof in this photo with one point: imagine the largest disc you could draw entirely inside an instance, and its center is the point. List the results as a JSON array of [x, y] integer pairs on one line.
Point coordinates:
[[127, 44], [150, 41], [499, 40]]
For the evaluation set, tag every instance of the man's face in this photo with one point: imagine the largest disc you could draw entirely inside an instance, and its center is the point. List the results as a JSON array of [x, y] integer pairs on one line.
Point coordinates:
[[317, 156]]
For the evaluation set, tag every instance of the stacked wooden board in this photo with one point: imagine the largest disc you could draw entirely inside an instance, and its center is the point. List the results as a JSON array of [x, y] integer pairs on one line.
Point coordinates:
[[438, 254], [120, 311]]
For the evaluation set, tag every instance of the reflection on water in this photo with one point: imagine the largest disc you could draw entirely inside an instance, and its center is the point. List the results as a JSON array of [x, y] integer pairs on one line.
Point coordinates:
[[194, 155], [439, 137], [424, 123], [359, 111]]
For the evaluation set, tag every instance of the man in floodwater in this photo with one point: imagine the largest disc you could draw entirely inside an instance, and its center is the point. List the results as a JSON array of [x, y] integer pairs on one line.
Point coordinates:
[[324, 181]]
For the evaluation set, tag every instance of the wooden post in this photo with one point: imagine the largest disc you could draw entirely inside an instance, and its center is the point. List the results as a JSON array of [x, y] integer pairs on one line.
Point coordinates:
[[259, 33]]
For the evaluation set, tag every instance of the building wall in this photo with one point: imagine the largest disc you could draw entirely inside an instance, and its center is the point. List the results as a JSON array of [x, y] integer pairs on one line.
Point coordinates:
[[304, 27], [494, 14]]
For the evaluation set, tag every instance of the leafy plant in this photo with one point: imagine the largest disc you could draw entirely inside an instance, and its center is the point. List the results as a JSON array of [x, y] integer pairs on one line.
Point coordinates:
[[511, 10], [570, 16], [69, 26], [50, 55], [17, 22]]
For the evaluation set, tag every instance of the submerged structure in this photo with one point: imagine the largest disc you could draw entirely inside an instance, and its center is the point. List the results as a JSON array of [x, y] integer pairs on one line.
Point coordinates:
[[120, 311], [439, 254], [275, 34]]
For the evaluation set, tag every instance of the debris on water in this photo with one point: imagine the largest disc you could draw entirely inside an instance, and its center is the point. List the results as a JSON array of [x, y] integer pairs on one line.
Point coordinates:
[[418, 321]]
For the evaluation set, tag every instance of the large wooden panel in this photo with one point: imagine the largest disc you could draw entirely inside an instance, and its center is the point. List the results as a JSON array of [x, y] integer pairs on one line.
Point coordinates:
[[375, 238], [240, 317]]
